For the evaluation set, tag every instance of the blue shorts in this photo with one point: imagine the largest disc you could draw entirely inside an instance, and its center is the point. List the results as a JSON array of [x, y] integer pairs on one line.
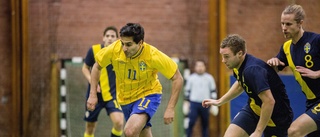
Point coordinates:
[[314, 113], [148, 105], [247, 120], [110, 106]]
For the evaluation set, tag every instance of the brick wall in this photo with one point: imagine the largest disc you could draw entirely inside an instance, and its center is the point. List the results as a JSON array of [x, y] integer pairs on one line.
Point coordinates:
[[171, 26], [259, 23], [178, 28], [69, 28]]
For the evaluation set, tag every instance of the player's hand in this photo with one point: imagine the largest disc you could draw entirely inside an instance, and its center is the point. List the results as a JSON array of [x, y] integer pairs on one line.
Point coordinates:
[[208, 102], [307, 72], [168, 116], [275, 62], [91, 102]]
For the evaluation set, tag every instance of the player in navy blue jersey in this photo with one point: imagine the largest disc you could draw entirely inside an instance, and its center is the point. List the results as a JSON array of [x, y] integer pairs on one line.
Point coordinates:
[[106, 89], [302, 54], [268, 110]]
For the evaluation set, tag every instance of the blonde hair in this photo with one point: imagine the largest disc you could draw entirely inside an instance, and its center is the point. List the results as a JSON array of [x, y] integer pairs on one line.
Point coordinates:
[[297, 10]]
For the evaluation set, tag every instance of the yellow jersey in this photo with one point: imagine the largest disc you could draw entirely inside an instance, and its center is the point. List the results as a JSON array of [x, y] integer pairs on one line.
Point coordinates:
[[136, 77]]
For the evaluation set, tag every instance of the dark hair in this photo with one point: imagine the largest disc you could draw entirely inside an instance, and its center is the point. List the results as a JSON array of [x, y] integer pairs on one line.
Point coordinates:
[[110, 28], [134, 30], [235, 42]]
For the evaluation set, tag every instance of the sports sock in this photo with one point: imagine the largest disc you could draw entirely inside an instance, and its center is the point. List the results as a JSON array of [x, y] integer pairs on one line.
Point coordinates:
[[115, 133], [87, 135]]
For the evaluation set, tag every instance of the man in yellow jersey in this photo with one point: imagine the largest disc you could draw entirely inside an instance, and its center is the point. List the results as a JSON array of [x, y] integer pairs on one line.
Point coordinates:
[[106, 91], [139, 91]]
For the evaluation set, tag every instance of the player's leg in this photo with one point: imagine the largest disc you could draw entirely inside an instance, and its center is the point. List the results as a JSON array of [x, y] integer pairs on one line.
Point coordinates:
[[204, 114], [135, 125], [193, 115], [302, 126], [307, 123], [91, 118], [90, 128], [243, 124], [117, 119], [115, 113], [138, 115], [235, 131], [146, 132]]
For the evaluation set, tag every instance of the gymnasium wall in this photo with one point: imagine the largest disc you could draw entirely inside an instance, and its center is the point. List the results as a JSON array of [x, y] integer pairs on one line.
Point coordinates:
[[67, 28]]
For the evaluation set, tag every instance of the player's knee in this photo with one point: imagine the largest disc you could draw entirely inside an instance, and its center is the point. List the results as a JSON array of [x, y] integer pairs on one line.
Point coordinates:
[[130, 132], [117, 120], [118, 124], [294, 132]]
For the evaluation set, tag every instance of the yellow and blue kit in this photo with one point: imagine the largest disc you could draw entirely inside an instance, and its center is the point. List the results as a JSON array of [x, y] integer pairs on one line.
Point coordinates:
[[138, 87], [136, 77], [107, 82], [255, 76], [305, 53]]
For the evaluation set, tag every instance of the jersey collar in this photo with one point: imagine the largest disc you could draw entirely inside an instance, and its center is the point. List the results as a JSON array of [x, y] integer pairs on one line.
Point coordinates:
[[138, 52], [123, 57]]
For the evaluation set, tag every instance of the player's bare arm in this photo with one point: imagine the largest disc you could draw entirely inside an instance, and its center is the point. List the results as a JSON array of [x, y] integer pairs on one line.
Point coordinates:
[[267, 106], [233, 92], [177, 82], [86, 72], [95, 75]]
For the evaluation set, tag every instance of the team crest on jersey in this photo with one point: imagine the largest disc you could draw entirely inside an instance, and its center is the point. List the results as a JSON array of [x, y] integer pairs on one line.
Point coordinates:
[[307, 47], [142, 66]]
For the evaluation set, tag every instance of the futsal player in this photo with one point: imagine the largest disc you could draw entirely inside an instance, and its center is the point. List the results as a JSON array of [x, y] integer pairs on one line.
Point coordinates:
[[268, 110], [136, 64], [106, 91], [301, 54]]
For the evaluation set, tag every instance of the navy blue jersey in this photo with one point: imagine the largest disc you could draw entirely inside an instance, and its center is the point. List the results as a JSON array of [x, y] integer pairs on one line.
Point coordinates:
[[306, 53], [255, 76], [107, 80]]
